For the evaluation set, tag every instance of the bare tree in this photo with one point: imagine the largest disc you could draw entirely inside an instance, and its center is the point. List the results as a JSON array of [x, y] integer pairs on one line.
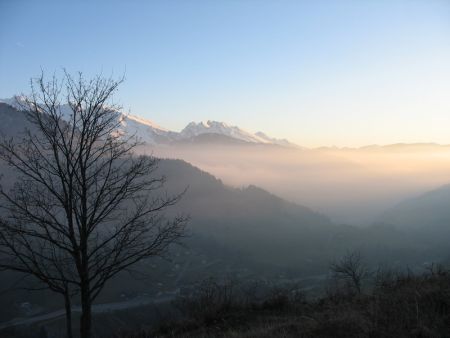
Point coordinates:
[[84, 207], [350, 269]]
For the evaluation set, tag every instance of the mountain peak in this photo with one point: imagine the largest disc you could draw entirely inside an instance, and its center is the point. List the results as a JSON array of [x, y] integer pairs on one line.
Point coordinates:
[[216, 127]]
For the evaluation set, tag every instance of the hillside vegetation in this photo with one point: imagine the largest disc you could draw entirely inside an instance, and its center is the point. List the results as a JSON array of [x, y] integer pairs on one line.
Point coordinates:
[[396, 305]]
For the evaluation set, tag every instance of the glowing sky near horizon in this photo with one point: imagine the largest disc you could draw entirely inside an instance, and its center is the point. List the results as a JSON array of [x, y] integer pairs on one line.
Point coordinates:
[[344, 73]]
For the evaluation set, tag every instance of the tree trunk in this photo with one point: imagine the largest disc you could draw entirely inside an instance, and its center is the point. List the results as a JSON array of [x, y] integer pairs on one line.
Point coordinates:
[[86, 314], [68, 307]]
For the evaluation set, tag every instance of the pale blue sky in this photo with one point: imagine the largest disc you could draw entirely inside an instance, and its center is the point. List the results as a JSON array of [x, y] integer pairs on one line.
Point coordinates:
[[317, 72]]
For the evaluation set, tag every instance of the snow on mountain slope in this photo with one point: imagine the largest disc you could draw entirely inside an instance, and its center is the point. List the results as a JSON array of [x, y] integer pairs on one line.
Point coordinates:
[[151, 133], [145, 130], [130, 125], [278, 141], [214, 127]]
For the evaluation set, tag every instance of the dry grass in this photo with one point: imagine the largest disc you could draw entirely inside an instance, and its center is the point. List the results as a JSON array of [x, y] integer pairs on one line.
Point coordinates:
[[397, 306]]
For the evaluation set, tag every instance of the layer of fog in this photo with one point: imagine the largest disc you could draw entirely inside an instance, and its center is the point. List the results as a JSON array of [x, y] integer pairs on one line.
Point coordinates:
[[352, 186]]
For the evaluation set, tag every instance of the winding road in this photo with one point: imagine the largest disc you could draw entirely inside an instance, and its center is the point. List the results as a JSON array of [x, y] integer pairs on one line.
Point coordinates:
[[97, 308]]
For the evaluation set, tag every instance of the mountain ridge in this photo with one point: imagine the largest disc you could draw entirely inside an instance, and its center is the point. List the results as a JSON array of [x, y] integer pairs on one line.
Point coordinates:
[[149, 132]]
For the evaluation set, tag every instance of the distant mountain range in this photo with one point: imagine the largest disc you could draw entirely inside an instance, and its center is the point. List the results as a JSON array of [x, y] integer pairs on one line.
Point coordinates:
[[395, 147], [251, 222], [348, 184], [151, 133], [211, 131]]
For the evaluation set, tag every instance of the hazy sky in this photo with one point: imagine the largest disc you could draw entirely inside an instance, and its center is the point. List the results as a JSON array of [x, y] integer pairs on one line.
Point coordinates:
[[316, 72]]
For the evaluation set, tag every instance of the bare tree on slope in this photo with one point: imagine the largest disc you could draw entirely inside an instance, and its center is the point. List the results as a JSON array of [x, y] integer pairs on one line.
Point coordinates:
[[84, 207]]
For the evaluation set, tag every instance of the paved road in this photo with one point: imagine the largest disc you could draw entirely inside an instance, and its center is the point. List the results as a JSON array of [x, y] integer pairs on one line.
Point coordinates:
[[107, 307], [97, 308]]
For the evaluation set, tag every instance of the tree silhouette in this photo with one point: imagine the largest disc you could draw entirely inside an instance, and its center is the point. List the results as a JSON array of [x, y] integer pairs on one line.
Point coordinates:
[[84, 207], [351, 269]]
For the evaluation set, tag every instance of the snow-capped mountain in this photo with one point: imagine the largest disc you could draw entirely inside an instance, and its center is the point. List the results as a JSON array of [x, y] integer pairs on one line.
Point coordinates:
[[214, 127], [149, 132]]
